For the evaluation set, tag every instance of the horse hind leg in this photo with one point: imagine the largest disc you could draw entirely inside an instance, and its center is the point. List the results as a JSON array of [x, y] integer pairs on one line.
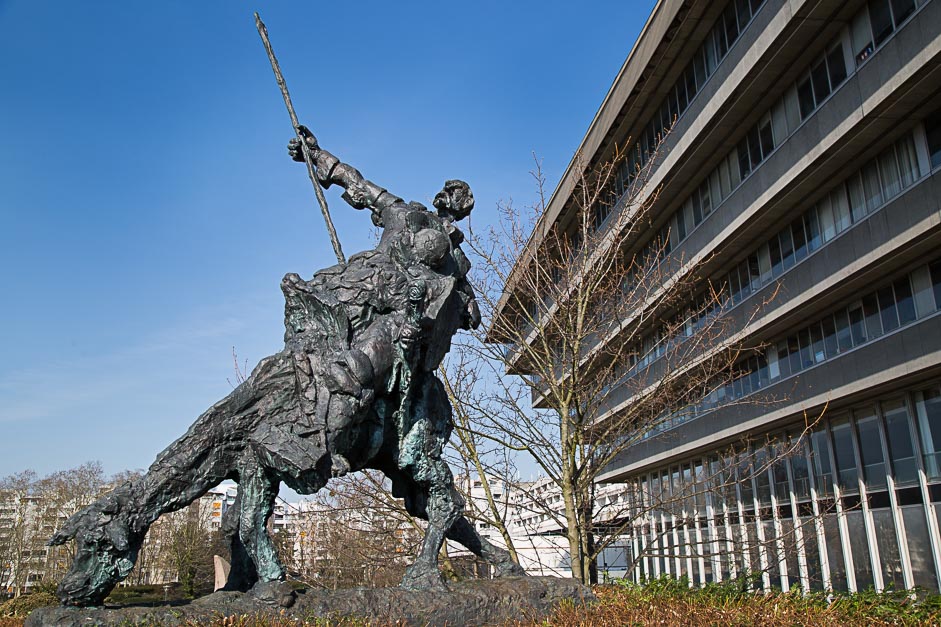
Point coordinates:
[[463, 532]]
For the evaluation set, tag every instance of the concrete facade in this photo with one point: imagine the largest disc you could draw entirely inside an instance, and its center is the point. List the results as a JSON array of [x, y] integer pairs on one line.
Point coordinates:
[[812, 150]]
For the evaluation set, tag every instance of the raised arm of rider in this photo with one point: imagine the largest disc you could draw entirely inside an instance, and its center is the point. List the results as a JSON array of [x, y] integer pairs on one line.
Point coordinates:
[[360, 192]]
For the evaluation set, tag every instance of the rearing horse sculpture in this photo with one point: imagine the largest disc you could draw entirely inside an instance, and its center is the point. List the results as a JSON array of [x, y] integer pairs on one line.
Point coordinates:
[[354, 388]]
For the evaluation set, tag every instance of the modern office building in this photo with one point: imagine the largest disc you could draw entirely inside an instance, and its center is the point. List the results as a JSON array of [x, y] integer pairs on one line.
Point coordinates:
[[804, 157]]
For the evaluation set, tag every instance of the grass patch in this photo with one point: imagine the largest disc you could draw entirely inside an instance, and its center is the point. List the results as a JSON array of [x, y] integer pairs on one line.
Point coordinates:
[[668, 601]]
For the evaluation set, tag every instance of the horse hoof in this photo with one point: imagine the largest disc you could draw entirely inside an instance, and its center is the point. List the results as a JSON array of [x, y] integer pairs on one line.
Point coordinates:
[[418, 579], [274, 593]]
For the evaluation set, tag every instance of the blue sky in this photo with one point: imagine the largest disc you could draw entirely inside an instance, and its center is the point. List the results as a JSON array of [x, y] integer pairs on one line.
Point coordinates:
[[148, 209]]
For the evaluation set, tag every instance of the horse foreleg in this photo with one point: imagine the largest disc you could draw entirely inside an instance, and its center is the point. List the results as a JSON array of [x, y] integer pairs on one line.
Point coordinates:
[[242, 573], [257, 494], [443, 508]]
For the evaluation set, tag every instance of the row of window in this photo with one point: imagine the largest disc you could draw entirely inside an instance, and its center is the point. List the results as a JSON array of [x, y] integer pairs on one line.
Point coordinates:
[[876, 21], [823, 76], [788, 497], [723, 34], [899, 303], [874, 185], [819, 80]]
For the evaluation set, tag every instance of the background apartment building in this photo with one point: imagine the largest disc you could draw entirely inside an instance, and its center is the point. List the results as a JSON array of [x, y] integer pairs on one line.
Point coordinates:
[[803, 170]]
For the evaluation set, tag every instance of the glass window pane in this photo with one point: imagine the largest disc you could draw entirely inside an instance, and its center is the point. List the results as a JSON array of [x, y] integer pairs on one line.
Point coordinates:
[[699, 68], [709, 54], [870, 450], [806, 348], [681, 97], [744, 164], [933, 133], [731, 24], [820, 457], [827, 224], [924, 297], [696, 202], [936, 282], [889, 559], [928, 408], [787, 249], [881, 19], [691, 87], [860, 547], [871, 186], [908, 161], [805, 97], [836, 66], [754, 146], [856, 197], [919, 546], [800, 239], [766, 136], [706, 198], [904, 300], [831, 532], [816, 343], [764, 265], [744, 13], [861, 37], [821, 82], [843, 334], [889, 169], [873, 322], [734, 175], [783, 363], [779, 122], [794, 353], [902, 9], [899, 436], [890, 316], [841, 209], [812, 230], [846, 470], [800, 471], [754, 272], [829, 337], [774, 248], [857, 324], [792, 109]]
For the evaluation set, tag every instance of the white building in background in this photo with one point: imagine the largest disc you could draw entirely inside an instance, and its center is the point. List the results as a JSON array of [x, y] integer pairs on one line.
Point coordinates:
[[534, 514]]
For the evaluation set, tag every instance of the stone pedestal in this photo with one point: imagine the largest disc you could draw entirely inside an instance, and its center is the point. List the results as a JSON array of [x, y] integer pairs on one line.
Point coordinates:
[[472, 602]]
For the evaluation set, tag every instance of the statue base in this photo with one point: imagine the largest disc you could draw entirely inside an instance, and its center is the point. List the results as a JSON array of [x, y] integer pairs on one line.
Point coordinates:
[[470, 602]]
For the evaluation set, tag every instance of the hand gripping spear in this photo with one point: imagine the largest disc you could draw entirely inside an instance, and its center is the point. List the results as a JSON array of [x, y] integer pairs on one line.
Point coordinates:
[[308, 159]]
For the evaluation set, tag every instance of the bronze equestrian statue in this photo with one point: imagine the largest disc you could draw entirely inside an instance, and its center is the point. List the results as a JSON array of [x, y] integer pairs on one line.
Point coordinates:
[[354, 388]]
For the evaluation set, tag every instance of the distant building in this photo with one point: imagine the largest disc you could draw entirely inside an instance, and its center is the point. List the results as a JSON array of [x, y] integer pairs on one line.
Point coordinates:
[[804, 155]]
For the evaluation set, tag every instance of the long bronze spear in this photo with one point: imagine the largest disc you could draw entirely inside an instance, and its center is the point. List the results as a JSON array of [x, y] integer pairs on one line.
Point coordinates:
[[263, 31]]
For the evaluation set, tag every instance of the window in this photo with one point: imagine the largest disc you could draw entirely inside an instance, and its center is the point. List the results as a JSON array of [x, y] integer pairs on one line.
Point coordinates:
[[843, 330], [836, 66], [899, 436], [933, 133], [870, 450], [928, 408], [861, 37], [805, 97], [847, 472], [924, 298], [880, 17], [820, 454]]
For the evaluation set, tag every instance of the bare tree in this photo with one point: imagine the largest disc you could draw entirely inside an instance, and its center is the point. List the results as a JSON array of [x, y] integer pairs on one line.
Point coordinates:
[[615, 341], [355, 534]]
